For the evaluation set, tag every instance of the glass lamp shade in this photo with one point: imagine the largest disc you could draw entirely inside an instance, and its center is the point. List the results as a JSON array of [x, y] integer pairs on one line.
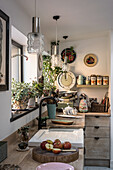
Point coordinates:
[[35, 43], [65, 64]]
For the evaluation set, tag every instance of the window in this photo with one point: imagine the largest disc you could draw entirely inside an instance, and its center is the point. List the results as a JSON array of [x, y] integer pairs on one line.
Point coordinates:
[[17, 61]]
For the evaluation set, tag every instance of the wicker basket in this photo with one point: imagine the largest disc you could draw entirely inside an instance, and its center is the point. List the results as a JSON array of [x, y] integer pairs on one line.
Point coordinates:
[[97, 107]]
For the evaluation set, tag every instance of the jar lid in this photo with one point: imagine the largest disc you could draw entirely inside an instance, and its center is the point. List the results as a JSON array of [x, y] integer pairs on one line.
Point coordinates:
[[105, 76], [99, 76], [93, 75]]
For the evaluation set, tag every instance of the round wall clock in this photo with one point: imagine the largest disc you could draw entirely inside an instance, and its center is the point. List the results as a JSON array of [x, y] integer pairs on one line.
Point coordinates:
[[66, 80], [70, 54], [90, 60]]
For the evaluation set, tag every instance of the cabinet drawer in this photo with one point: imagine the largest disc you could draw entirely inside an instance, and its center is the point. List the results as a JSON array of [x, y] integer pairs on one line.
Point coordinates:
[[97, 121], [97, 131], [97, 148]]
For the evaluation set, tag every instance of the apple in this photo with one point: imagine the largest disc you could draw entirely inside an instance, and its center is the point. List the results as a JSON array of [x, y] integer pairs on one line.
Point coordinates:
[[58, 145], [42, 145], [57, 140], [56, 150], [49, 141], [67, 145], [49, 147]]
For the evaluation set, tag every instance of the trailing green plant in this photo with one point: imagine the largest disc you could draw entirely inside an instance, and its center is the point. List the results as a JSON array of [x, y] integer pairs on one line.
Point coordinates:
[[49, 73], [38, 88]]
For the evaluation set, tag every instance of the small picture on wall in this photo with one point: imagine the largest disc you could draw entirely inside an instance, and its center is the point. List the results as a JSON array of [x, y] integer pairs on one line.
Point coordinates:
[[4, 51], [90, 60]]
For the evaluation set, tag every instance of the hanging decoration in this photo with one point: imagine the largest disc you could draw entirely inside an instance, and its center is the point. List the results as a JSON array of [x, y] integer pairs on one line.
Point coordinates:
[[70, 53]]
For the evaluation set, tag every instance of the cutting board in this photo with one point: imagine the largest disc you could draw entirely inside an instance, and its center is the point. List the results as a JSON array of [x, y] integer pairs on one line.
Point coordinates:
[[43, 156]]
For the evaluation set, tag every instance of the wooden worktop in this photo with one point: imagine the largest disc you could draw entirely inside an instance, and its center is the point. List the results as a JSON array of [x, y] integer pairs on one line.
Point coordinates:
[[25, 161], [97, 114], [77, 122]]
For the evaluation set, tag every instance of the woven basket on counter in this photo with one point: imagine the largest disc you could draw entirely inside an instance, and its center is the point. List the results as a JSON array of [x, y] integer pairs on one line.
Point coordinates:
[[97, 107]]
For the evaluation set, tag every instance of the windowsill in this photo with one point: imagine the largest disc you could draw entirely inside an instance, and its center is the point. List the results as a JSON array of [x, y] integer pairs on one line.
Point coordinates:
[[18, 114]]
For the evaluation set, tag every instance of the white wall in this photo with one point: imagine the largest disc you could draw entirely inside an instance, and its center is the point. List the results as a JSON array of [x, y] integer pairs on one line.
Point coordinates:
[[98, 46], [22, 22]]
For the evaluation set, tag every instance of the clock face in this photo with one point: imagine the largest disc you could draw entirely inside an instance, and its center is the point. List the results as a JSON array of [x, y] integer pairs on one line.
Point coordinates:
[[66, 80]]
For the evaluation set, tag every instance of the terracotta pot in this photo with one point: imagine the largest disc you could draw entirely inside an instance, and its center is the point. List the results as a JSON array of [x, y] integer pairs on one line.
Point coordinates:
[[20, 105]]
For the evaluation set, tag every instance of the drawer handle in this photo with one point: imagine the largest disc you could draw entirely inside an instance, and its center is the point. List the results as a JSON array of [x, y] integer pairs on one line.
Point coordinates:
[[96, 127], [97, 116], [97, 138]]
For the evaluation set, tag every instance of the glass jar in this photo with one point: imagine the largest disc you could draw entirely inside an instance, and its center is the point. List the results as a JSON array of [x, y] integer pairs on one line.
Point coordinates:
[[88, 80], [80, 80], [105, 80], [99, 80], [93, 79]]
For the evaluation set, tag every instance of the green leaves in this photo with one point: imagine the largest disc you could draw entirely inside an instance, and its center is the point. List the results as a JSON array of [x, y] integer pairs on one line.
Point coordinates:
[[49, 73], [20, 91]]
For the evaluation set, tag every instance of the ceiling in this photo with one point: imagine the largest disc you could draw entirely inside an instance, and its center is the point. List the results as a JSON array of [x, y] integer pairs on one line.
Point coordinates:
[[79, 18]]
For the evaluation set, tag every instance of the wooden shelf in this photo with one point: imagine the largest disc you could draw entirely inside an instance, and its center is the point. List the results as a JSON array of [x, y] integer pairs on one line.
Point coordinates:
[[92, 86]]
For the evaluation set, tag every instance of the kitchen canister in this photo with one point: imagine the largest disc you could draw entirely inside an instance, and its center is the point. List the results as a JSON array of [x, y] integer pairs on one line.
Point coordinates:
[[93, 79], [99, 80], [80, 80], [105, 80], [88, 80]]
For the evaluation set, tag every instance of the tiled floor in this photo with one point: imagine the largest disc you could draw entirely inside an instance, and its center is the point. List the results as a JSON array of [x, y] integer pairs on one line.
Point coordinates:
[[96, 168]]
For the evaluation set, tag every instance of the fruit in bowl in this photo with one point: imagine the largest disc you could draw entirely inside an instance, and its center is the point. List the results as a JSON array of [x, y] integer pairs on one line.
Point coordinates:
[[49, 147], [56, 150], [42, 145], [67, 145]]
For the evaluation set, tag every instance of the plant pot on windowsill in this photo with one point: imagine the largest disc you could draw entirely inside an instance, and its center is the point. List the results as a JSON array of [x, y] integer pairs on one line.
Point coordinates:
[[20, 94], [22, 105], [31, 102]]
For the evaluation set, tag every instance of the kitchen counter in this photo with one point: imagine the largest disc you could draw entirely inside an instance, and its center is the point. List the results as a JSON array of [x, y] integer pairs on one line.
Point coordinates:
[[25, 161], [78, 122], [108, 114]]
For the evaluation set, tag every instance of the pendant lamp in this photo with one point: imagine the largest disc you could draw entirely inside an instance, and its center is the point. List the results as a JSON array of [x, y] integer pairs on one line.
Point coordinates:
[[35, 38], [55, 56], [65, 64]]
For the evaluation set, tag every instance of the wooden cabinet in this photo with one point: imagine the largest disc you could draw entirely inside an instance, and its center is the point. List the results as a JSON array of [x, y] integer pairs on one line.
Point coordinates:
[[97, 140]]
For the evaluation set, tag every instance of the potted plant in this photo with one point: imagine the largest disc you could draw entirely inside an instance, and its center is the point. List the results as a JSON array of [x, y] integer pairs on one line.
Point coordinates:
[[50, 75], [33, 92], [20, 94], [23, 133]]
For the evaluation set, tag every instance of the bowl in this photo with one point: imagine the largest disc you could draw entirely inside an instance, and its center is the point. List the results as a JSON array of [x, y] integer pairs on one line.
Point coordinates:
[[55, 166], [22, 145]]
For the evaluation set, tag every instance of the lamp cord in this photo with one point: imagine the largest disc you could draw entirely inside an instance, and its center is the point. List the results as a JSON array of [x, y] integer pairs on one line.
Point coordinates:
[[56, 35], [35, 8]]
